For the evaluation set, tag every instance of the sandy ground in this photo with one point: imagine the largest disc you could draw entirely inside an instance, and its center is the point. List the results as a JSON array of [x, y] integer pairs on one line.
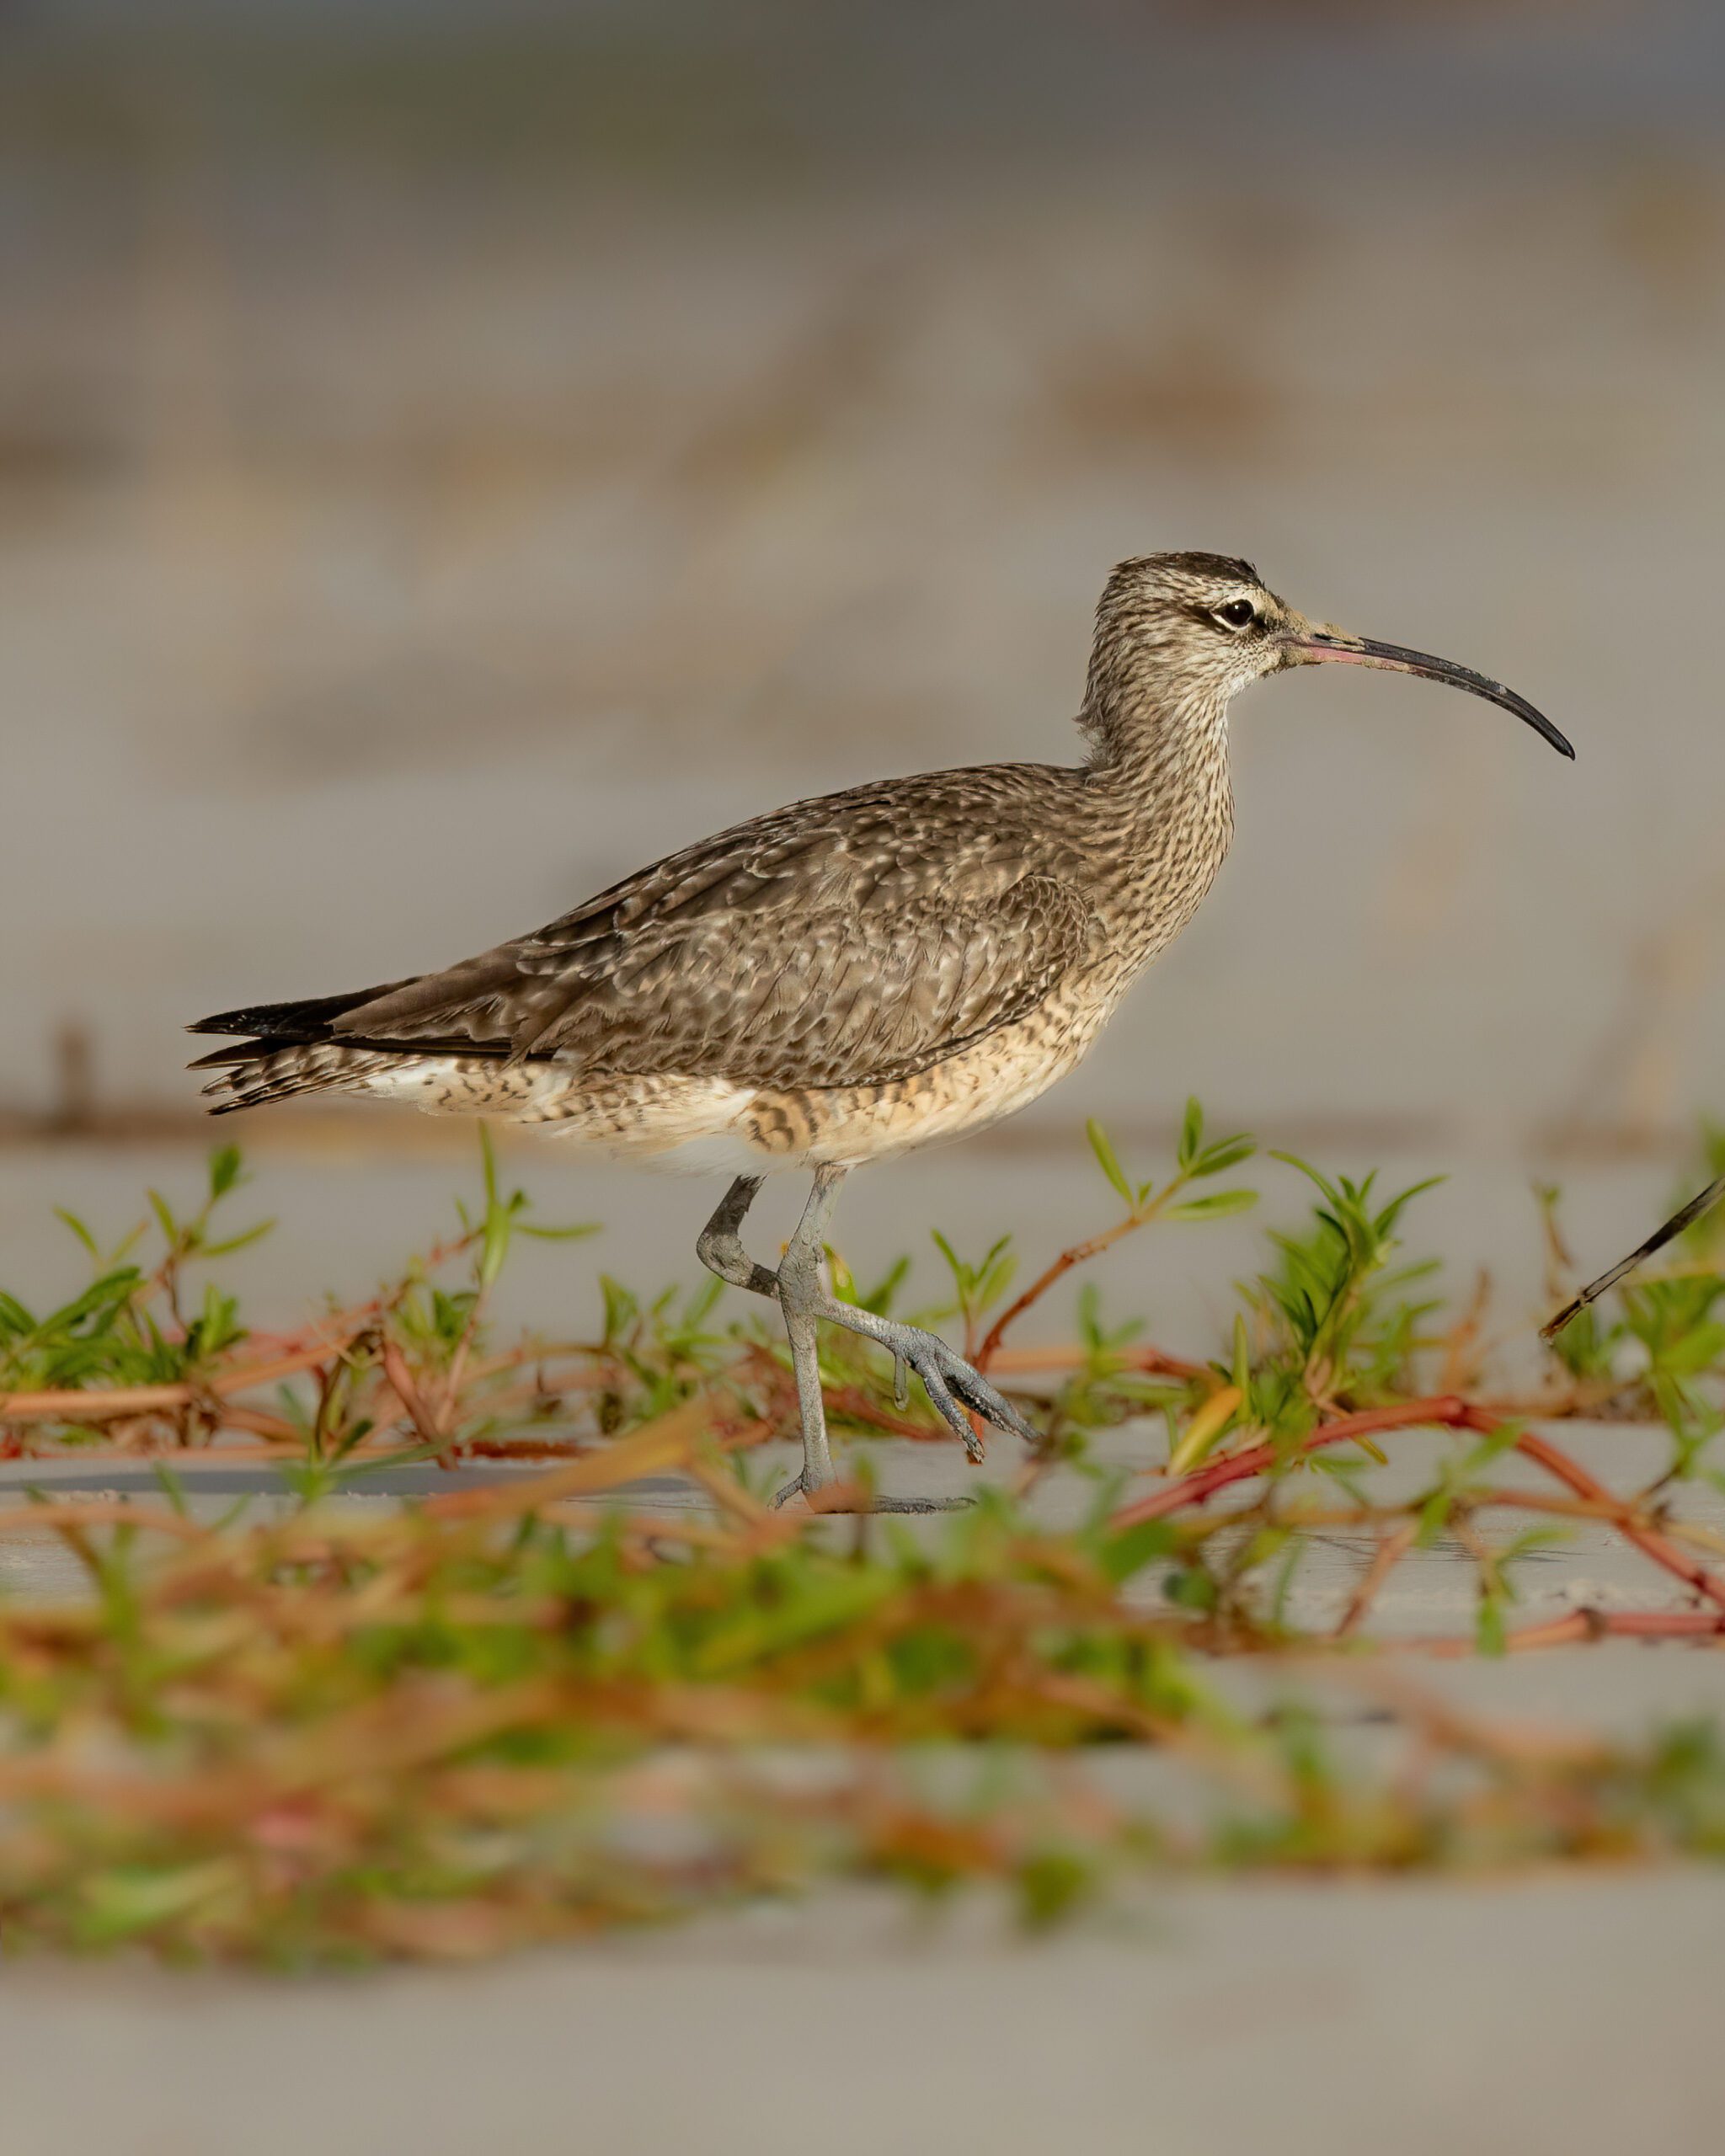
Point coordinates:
[[1546, 2018]]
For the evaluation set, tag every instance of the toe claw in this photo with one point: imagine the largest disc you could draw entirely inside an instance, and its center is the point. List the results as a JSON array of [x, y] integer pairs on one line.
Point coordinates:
[[976, 1392], [945, 1374], [941, 1401]]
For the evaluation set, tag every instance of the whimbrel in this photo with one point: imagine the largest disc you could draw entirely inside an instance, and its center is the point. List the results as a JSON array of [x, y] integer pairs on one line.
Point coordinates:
[[855, 975]]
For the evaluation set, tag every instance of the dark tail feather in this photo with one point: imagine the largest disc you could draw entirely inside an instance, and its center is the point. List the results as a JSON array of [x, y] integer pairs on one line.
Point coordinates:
[[235, 1052], [309, 1020], [259, 1073]]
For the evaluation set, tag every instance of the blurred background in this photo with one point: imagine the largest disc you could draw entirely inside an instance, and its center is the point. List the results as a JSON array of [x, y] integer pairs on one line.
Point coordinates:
[[450, 456]]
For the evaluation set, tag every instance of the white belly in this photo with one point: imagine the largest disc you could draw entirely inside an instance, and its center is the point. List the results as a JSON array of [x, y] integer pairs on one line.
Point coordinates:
[[714, 1127]]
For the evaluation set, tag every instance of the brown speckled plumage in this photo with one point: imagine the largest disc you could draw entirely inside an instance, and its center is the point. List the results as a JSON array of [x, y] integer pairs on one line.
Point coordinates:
[[854, 975], [835, 979]]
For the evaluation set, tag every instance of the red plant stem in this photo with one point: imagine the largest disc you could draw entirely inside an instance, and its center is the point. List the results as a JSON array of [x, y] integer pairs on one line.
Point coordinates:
[[1078, 1254], [1623, 1517], [851, 1400], [1203, 1483], [1582, 1626], [97, 1406], [1075, 1254], [1445, 1410], [1030, 1362], [402, 1385], [87, 1512], [258, 1424], [1390, 1552]]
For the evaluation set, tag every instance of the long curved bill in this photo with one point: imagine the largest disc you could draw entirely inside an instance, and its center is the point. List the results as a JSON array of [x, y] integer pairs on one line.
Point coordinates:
[[1330, 647]]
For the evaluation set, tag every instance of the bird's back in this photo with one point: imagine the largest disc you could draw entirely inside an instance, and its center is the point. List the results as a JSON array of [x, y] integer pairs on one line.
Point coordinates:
[[852, 938]]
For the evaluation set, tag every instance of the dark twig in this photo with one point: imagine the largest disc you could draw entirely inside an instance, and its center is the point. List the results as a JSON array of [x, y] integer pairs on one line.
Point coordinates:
[[1684, 1217]]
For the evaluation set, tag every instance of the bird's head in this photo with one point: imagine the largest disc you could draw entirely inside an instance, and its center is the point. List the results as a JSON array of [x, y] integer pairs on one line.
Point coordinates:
[[1189, 631]]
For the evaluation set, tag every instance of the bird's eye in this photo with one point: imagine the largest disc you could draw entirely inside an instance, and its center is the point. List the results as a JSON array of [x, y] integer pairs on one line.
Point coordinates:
[[1238, 613]]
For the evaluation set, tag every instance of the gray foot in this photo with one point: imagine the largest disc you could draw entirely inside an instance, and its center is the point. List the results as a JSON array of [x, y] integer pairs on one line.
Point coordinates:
[[946, 1378]]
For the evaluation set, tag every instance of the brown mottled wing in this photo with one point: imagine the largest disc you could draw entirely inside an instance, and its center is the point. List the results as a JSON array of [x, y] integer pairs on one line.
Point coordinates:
[[848, 942]]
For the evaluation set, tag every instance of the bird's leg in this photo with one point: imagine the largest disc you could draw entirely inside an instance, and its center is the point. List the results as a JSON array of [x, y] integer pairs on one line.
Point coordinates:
[[799, 1295], [798, 1289], [720, 1248], [804, 1302]]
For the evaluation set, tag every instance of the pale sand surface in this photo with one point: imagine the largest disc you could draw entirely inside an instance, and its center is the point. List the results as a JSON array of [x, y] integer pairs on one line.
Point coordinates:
[[1540, 2018]]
